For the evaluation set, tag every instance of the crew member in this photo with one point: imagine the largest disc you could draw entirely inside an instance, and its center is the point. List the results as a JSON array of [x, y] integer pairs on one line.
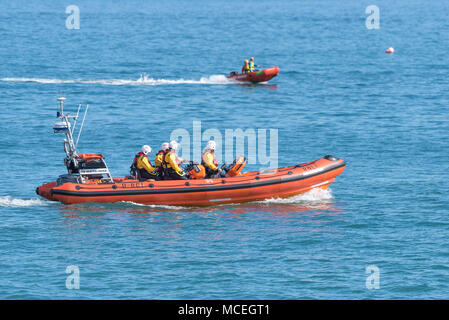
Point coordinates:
[[210, 162], [251, 64], [172, 163], [245, 68], [144, 166], [159, 160]]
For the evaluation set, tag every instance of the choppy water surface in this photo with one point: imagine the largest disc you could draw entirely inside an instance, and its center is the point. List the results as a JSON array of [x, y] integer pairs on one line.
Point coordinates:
[[149, 68]]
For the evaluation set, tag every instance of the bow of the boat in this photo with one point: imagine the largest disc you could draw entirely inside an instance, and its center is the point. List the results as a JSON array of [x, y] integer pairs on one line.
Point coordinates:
[[271, 72], [322, 172]]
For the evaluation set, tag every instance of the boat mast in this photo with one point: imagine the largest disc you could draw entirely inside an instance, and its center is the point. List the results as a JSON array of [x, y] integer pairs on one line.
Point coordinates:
[[73, 161], [64, 127]]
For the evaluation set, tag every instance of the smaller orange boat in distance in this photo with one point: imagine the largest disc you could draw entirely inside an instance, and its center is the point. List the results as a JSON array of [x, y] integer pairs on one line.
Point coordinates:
[[255, 76], [89, 180]]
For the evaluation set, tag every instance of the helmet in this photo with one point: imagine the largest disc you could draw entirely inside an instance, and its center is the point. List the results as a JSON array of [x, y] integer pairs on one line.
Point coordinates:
[[165, 146], [146, 149], [246, 61], [252, 58], [211, 145], [173, 145]]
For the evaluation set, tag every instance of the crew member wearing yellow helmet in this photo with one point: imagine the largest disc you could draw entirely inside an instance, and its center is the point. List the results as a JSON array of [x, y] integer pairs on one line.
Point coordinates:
[[251, 64], [245, 68], [172, 162]]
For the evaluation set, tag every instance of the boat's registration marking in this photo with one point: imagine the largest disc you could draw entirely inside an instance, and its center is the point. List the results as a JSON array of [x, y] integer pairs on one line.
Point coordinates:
[[310, 167], [133, 185]]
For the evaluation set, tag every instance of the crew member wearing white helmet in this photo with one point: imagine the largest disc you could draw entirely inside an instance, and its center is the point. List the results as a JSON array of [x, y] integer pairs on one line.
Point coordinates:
[[159, 160], [210, 162], [143, 165], [172, 163]]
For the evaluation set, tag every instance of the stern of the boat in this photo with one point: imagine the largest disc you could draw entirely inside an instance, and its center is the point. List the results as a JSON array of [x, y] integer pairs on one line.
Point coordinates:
[[45, 191]]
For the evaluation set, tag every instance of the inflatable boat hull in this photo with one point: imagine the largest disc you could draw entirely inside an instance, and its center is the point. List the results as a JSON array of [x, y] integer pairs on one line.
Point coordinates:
[[250, 186], [256, 76]]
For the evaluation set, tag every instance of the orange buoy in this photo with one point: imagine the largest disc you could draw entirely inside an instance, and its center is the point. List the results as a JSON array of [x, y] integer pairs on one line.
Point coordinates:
[[390, 50]]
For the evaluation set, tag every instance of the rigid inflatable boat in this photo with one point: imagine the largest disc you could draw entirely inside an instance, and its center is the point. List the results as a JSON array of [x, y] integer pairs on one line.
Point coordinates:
[[255, 76], [89, 180]]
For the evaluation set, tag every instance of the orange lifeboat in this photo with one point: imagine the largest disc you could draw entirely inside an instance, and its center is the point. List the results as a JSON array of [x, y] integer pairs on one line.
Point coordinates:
[[242, 187], [255, 76]]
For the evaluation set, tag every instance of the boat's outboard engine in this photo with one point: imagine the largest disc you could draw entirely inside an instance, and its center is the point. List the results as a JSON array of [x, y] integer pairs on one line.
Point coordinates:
[[87, 166], [67, 178], [72, 165]]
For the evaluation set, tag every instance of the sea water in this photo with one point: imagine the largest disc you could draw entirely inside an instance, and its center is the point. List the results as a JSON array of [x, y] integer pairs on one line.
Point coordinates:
[[148, 68]]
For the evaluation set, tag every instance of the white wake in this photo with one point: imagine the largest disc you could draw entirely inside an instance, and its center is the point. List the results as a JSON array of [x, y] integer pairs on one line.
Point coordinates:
[[314, 195], [144, 80], [8, 201]]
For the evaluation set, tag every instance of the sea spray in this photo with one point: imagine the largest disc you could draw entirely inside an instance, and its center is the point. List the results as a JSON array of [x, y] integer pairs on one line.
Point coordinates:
[[8, 201], [314, 195]]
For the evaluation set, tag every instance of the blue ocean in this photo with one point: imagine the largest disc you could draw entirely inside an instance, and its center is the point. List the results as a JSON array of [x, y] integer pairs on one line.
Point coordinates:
[[147, 68]]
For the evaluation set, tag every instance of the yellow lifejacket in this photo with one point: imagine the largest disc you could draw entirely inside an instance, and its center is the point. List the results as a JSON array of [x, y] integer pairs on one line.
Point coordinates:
[[144, 163], [209, 160], [251, 66], [159, 159], [172, 161]]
